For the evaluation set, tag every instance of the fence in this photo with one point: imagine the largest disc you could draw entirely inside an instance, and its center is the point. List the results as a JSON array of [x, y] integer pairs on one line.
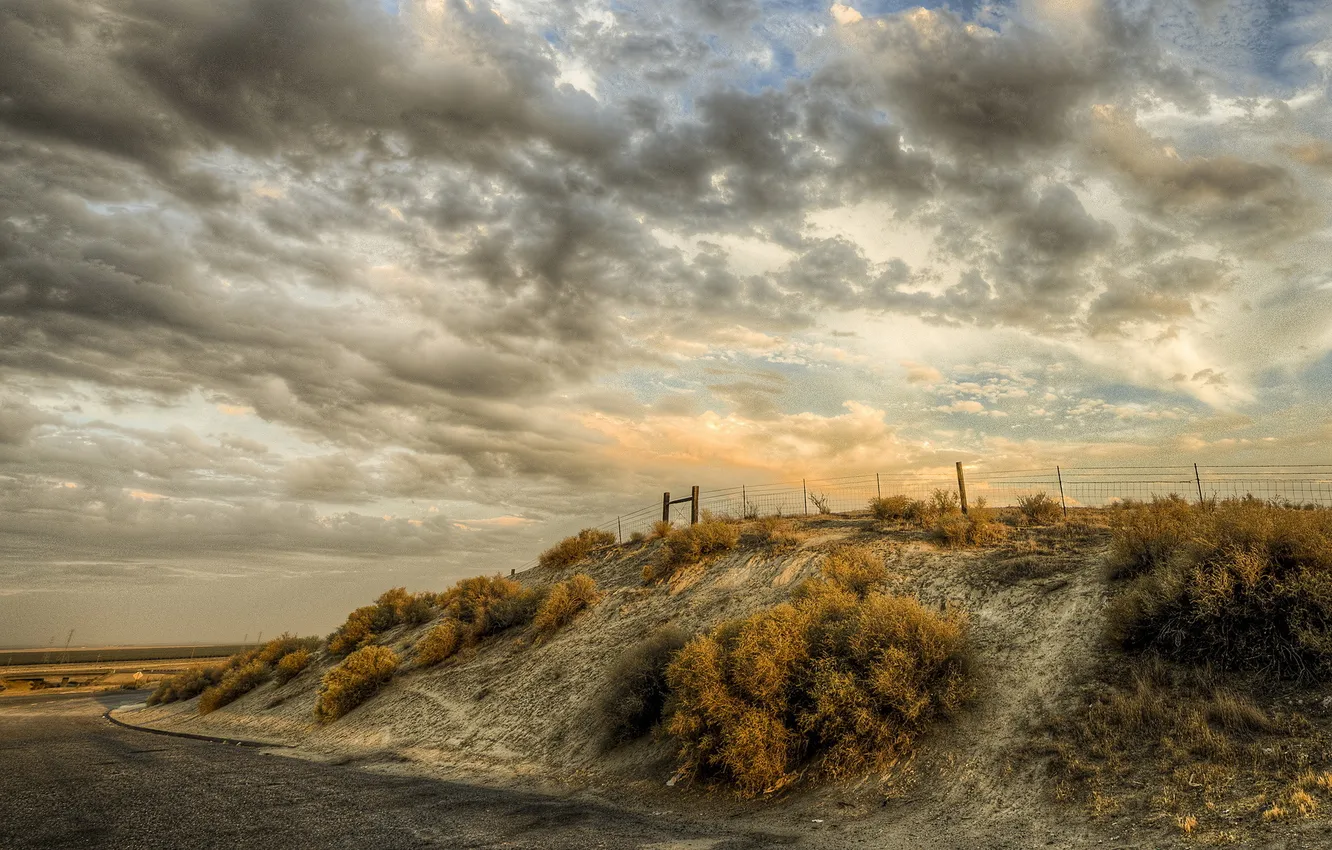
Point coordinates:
[[1078, 486], [1096, 486]]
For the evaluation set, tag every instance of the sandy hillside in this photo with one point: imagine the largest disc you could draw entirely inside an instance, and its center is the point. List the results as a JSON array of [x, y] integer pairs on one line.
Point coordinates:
[[514, 711]]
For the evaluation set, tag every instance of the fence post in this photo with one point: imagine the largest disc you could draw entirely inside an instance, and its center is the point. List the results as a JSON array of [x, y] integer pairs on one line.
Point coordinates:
[[666, 506], [804, 494], [693, 506], [878, 488], [1060, 475], [1198, 480], [619, 528], [744, 503], [962, 486]]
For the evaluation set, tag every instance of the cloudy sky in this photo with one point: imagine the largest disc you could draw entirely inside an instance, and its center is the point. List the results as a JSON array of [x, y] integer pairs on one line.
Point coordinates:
[[303, 300]]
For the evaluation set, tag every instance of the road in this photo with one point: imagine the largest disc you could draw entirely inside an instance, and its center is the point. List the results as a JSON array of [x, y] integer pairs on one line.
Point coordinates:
[[70, 779]]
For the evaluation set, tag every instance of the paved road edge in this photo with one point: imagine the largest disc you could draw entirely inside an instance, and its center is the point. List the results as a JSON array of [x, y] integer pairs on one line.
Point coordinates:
[[234, 742]]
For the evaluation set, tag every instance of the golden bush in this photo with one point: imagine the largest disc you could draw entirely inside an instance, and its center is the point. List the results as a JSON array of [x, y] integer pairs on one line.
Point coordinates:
[[291, 665], [564, 602], [440, 643], [683, 546], [359, 677], [234, 684], [831, 679], [888, 508], [856, 568], [571, 550]]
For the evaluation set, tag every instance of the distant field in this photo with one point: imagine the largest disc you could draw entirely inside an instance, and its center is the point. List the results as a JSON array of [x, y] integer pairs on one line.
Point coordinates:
[[102, 654]]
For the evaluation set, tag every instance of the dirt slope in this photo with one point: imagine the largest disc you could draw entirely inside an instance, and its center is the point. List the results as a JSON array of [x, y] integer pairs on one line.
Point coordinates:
[[513, 711]]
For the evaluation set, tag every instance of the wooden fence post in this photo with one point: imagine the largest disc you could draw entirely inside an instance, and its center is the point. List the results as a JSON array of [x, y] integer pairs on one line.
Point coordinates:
[[1198, 480], [877, 486], [666, 506], [962, 486], [619, 528], [1060, 475], [693, 506], [805, 494]]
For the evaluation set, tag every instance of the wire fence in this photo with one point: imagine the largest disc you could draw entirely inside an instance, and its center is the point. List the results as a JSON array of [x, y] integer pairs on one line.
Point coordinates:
[[1303, 485], [1078, 486]]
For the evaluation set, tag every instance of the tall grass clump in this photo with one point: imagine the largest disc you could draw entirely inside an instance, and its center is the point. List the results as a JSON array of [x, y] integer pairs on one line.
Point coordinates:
[[571, 550], [565, 601], [691, 544], [235, 683], [855, 568], [1244, 586], [774, 533], [291, 665], [1145, 535], [1039, 509], [439, 644], [634, 698], [888, 508], [393, 608], [186, 684], [829, 682], [977, 527], [360, 676]]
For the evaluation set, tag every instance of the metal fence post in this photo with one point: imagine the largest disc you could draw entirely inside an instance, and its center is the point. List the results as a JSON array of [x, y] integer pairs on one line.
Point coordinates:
[[1060, 475], [666, 506], [962, 486], [1198, 480], [619, 528], [693, 506]]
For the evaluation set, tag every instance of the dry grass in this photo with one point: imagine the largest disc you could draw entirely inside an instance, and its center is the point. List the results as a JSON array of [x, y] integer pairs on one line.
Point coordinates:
[[1039, 509], [1147, 535], [291, 665], [235, 683], [440, 643], [634, 697], [975, 528], [893, 508], [565, 601], [691, 544], [186, 684], [1211, 753], [831, 681], [571, 550], [1242, 585], [858, 569], [359, 677], [393, 608], [774, 533]]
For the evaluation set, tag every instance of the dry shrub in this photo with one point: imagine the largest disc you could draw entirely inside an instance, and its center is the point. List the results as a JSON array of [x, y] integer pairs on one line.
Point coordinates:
[[571, 550], [1040, 509], [976, 528], [855, 568], [1146, 535], [771, 532], [186, 684], [634, 699], [439, 643], [1189, 743], [660, 529], [892, 508], [393, 608], [469, 600], [1249, 588], [564, 602], [235, 683], [693, 543], [842, 682], [291, 665], [355, 680], [519, 609]]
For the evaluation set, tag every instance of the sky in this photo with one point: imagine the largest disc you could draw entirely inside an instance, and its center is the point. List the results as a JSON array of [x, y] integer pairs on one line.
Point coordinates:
[[300, 301]]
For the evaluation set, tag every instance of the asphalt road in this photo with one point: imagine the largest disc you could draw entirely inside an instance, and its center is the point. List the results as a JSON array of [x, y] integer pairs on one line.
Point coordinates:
[[70, 779]]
